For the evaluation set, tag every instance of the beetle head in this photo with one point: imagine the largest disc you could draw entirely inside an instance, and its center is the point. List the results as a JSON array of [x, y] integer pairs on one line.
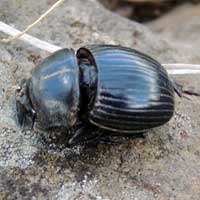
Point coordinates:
[[25, 112]]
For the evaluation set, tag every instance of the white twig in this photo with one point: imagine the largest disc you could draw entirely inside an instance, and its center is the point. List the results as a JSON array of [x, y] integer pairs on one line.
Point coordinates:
[[28, 38], [176, 68], [181, 68]]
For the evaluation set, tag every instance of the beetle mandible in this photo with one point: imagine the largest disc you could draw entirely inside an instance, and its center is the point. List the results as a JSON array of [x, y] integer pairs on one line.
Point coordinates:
[[117, 90]]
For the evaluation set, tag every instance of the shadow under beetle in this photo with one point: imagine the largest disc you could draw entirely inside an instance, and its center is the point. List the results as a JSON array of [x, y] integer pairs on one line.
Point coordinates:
[[99, 92]]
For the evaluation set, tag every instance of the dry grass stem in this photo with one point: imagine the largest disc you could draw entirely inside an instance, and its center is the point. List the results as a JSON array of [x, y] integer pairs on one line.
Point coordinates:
[[19, 34]]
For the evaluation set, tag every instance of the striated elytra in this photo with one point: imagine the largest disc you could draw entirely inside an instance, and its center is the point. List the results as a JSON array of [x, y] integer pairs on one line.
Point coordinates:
[[102, 90]]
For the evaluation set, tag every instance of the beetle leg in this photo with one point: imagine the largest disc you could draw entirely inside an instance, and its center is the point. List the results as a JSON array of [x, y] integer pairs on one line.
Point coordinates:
[[180, 91], [24, 120], [25, 113], [110, 140], [75, 138], [120, 139], [85, 135]]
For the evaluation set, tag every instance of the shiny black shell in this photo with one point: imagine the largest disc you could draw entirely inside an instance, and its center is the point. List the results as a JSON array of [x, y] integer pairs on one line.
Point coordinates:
[[133, 91], [54, 90]]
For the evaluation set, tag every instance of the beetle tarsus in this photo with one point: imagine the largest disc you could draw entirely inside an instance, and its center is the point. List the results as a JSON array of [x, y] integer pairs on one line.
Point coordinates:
[[181, 92]]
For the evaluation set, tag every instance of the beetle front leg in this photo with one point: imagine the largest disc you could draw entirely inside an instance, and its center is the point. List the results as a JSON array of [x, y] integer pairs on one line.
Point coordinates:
[[85, 134], [25, 113]]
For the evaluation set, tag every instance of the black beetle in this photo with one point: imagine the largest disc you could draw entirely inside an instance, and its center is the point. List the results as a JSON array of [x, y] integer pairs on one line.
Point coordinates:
[[106, 87]]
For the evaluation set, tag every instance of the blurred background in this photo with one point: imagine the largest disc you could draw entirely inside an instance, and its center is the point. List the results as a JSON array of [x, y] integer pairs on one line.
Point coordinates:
[[143, 10]]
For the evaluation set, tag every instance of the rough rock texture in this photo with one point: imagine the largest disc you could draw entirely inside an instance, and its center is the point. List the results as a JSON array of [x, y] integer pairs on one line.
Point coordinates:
[[33, 165], [181, 24]]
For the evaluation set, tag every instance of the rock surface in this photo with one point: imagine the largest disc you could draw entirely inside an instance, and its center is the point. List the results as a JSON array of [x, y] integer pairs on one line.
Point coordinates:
[[180, 26], [164, 165]]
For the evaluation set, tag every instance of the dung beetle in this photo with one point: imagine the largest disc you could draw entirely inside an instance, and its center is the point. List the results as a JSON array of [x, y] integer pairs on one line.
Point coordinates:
[[99, 91]]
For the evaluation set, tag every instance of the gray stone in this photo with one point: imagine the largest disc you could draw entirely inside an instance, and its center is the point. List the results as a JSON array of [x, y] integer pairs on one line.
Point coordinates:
[[33, 165]]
